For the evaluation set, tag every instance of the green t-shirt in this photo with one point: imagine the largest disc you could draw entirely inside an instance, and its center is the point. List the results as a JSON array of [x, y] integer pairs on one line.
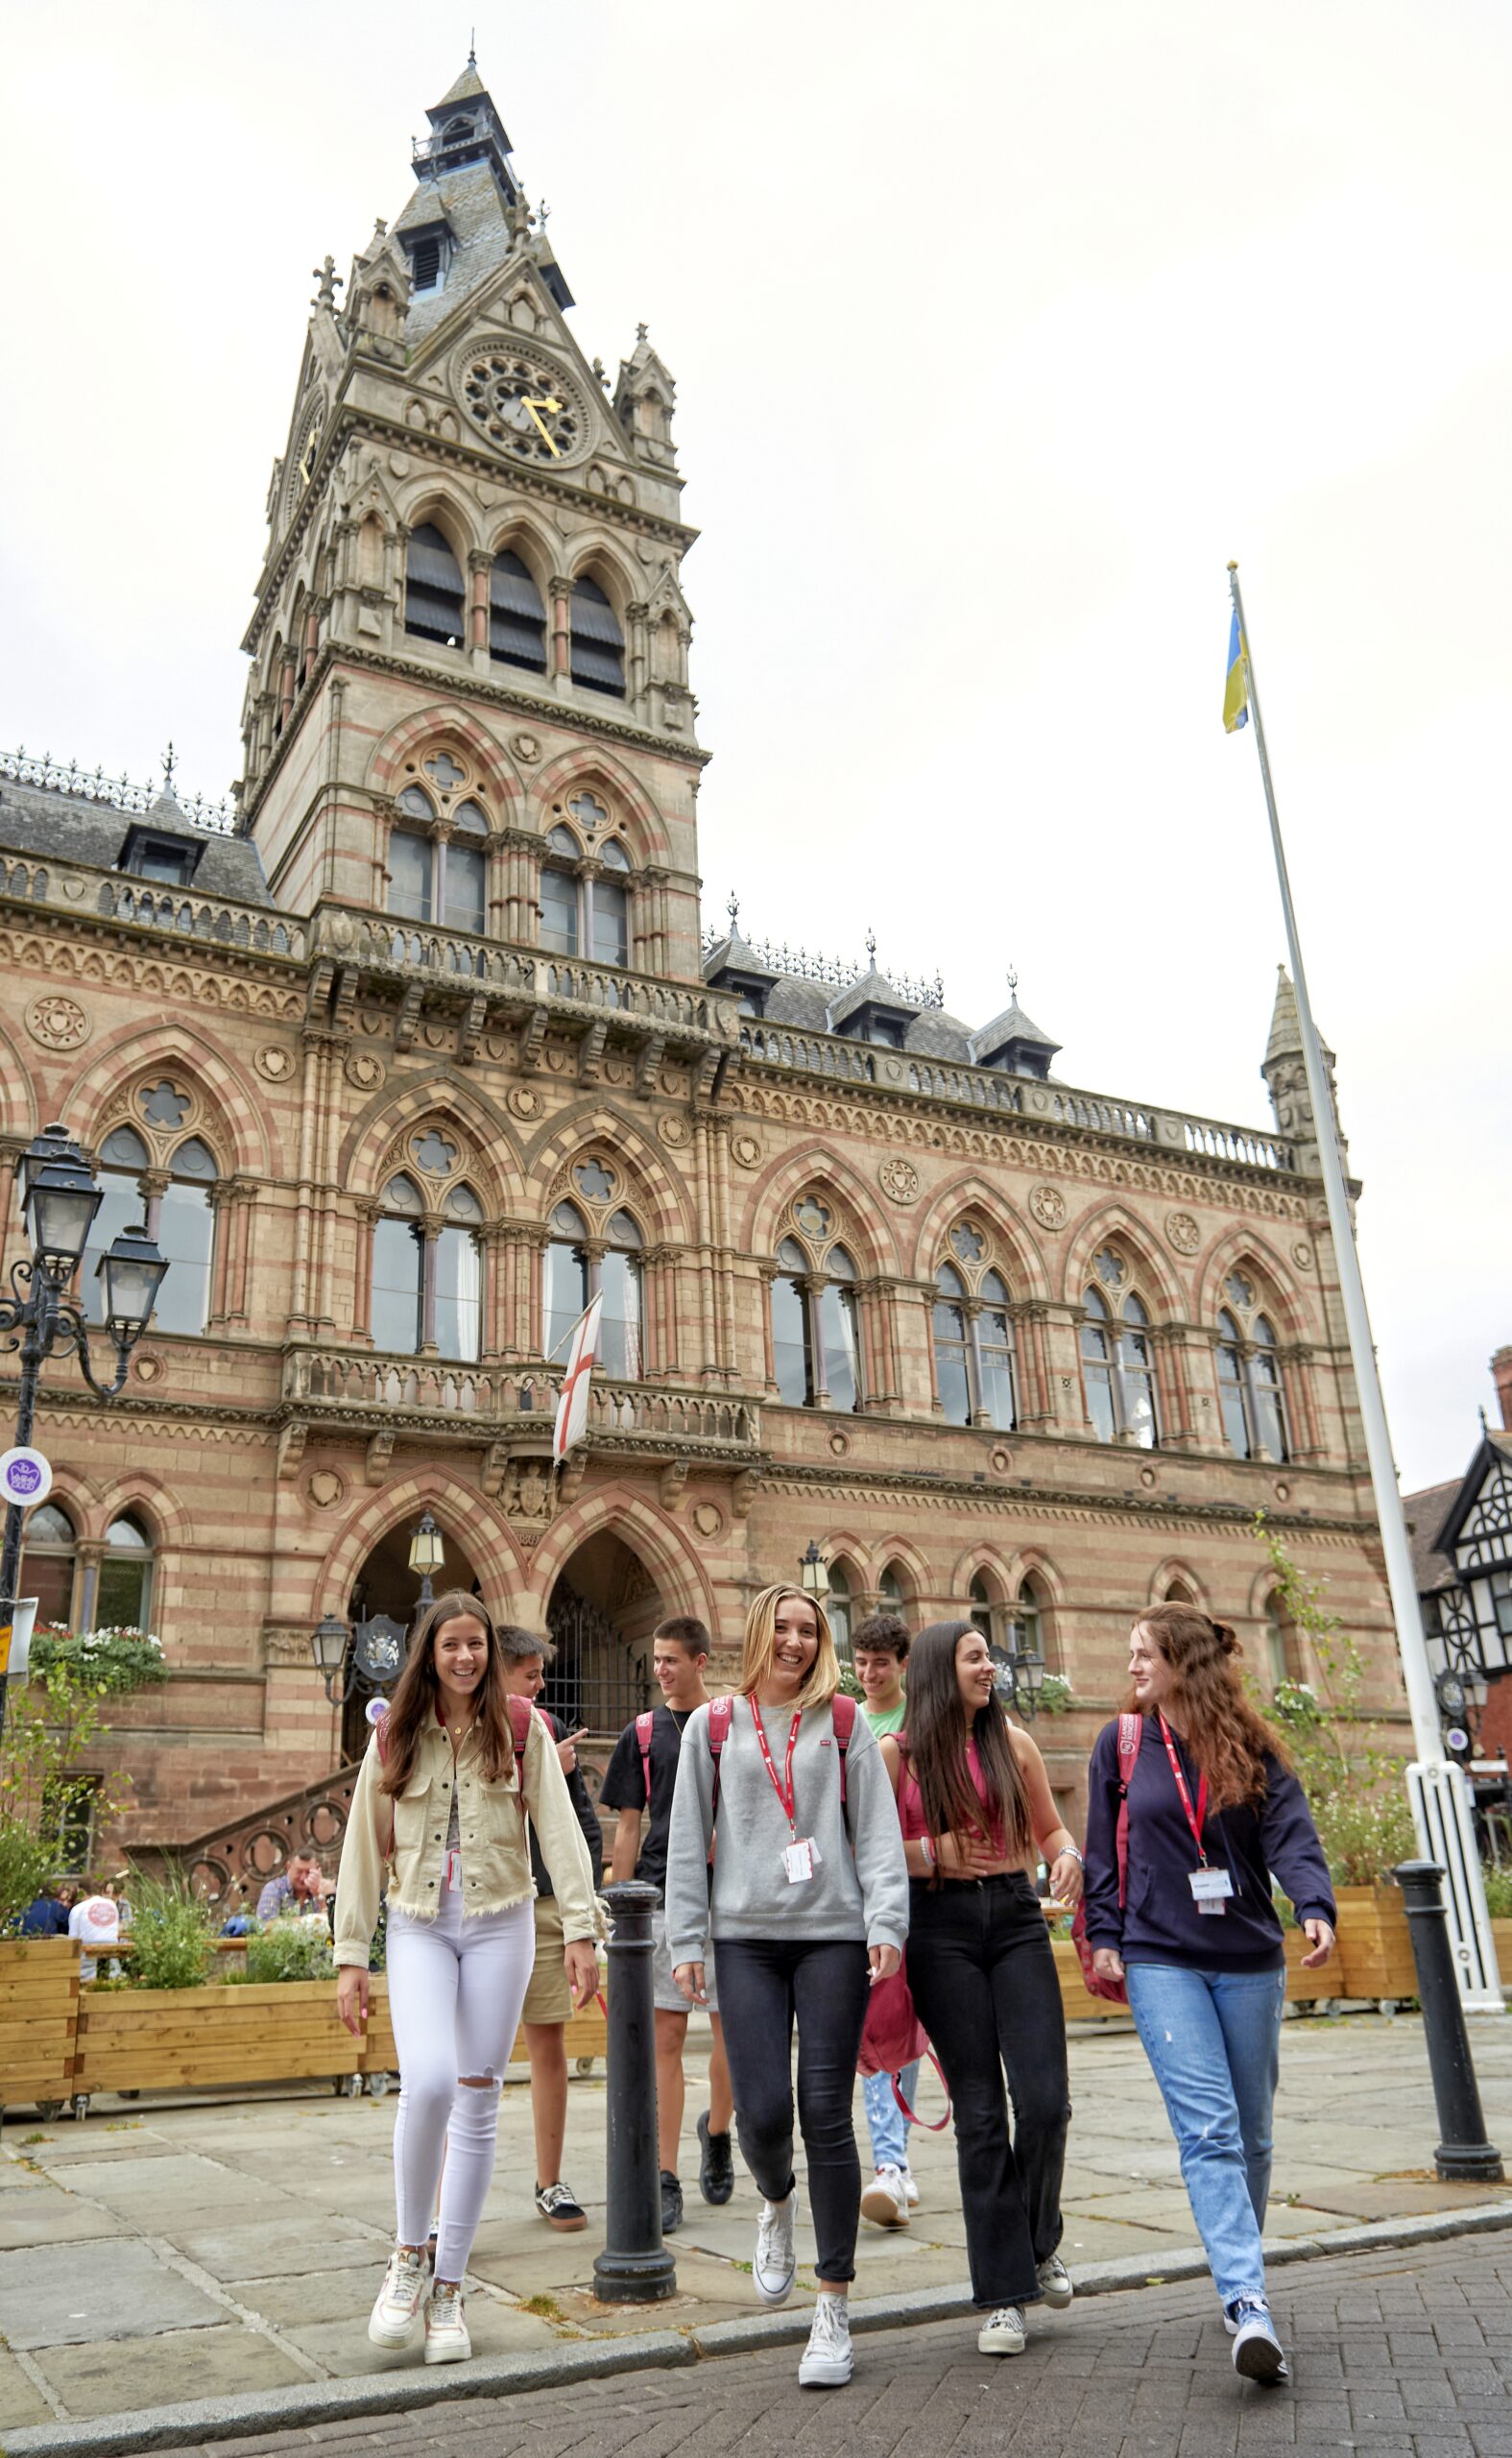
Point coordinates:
[[886, 1720]]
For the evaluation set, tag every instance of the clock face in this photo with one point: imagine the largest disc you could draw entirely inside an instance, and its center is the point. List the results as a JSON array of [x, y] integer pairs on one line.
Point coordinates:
[[308, 456], [522, 409]]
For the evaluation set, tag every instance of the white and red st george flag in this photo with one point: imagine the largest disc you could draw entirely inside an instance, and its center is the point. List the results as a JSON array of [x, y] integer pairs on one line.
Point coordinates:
[[572, 1406]]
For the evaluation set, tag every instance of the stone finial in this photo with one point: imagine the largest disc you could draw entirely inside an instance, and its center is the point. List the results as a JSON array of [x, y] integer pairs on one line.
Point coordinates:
[[733, 908], [328, 279], [642, 332]]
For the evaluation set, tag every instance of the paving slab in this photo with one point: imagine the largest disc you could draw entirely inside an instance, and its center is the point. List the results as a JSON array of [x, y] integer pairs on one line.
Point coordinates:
[[105, 2375], [63, 2295], [50, 2219], [21, 2401], [311, 2296], [494, 2328], [269, 2249]]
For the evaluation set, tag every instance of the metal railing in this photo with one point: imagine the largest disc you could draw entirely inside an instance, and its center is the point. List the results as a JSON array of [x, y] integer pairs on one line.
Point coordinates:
[[120, 793]]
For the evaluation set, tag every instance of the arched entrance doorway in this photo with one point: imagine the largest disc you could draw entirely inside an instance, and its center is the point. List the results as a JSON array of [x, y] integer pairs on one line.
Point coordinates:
[[603, 1609], [386, 1586]]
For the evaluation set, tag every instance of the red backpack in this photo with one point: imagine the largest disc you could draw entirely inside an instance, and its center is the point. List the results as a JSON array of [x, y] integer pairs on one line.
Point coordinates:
[[1131, 1733], [721, 1714]]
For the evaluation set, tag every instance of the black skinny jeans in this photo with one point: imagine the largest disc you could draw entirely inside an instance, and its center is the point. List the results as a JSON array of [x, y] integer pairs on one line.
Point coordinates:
[[764, 1983], [984, 1986]]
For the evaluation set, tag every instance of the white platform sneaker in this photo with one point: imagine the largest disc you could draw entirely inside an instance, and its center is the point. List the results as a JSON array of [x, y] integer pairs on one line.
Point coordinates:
[[392, 2322], [826, 2362], [446, 2340], [775, 2264]]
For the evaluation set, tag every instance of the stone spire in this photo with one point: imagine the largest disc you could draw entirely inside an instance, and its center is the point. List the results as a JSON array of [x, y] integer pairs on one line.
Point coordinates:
[[1286, 1077]]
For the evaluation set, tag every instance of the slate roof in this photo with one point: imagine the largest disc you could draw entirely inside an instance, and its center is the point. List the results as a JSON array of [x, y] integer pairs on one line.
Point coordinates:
[[873, 990], [466, 89], [480, 240], [1012, 1024], [1426, 1514], [68, 827]]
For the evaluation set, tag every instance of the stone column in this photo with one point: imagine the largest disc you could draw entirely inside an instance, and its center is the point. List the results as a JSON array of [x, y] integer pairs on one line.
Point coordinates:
[[560, 655]]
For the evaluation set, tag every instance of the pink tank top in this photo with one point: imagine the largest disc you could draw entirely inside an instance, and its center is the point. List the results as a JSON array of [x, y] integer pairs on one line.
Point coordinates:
[[910, 1803]]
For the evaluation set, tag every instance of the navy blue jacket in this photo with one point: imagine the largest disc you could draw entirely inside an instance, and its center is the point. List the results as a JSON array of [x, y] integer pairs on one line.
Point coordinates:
[[1160, 1922]]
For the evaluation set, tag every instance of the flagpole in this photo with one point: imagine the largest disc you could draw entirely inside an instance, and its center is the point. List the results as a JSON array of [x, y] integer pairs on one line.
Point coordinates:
[[1437, 1785]]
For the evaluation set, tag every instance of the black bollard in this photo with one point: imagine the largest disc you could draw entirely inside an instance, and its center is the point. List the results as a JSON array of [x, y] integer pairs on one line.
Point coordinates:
[[634, 2266], [1464, 2156]]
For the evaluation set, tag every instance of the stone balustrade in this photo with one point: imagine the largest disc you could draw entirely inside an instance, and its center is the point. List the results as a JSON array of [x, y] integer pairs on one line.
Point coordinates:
[[358, 1384]]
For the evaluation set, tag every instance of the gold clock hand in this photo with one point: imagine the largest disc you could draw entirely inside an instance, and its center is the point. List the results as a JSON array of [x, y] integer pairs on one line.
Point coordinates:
[[544, 401]]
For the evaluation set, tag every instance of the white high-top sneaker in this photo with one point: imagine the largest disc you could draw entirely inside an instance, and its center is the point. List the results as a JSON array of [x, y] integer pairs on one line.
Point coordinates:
[[826, 2362], [775, 2264], [393, 2320]]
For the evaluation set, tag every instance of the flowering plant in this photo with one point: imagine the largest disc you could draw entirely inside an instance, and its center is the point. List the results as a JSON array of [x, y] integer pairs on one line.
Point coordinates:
[[101, 1660]]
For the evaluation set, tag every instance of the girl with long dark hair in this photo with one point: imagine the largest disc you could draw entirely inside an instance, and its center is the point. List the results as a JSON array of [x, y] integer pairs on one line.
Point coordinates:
[[1190, 1924], [976, 1806], [439, 1805], [808, 1906]]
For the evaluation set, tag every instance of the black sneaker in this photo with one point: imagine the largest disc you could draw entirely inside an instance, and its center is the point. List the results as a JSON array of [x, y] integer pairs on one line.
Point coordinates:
[[717, 2169], [671, 2203], [559, 2208]]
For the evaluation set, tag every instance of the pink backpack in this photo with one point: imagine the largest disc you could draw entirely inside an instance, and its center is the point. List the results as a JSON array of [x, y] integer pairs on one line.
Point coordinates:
[[1131, 1732]]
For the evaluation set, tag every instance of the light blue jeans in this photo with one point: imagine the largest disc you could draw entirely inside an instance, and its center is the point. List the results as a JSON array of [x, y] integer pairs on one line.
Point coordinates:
[[1213, 2040], [885, 2121]]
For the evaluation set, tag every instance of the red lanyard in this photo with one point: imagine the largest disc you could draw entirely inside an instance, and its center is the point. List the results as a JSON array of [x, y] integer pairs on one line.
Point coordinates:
[[1197, 1820], [782, 1785]]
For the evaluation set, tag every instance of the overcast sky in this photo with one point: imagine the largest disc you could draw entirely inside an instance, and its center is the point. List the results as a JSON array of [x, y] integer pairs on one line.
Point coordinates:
[[997, 329]]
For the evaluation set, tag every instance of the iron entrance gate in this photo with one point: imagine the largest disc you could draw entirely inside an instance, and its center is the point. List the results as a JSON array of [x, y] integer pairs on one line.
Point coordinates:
[[595, 1679]]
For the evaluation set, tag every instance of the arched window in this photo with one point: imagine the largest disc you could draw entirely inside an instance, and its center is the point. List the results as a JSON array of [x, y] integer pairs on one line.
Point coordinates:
[[517, 616], [598, 644], [585, 1258], [816, 1332], [584, 905], [1250, 1391], [990, 1614], [47, 1565], [433, 596], [837, 1607], [125, 1597], [974, 1342], [180, 1217], [1026, 1619], [427, 1281], [438, 877], [1117, 1365], [890, 1588]]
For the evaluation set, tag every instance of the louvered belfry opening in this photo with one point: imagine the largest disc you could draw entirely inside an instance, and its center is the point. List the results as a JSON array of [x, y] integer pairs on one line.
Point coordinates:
[[598, 644], [517, 616], [426, 264], [433, 600]]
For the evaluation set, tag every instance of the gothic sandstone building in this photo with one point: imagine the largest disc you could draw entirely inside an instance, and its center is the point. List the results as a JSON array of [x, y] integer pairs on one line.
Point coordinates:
[[423, 1043]]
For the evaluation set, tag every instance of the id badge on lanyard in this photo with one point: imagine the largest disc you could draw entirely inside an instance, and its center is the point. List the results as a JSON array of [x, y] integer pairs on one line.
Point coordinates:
[[800, 1857], [1211, 1888]]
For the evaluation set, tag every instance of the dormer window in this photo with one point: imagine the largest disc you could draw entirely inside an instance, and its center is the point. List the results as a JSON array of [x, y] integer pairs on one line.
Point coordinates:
[[162, 858], [426, 264]]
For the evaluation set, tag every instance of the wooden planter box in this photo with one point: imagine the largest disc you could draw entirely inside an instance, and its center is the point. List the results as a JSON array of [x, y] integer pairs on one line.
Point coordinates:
[[586, 2036], [163, 2040], [1375, 1949], [1501, 1940], [38, 2011]]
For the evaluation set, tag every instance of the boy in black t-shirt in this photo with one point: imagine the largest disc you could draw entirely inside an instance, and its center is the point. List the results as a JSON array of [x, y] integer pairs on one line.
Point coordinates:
[[680, 1653]]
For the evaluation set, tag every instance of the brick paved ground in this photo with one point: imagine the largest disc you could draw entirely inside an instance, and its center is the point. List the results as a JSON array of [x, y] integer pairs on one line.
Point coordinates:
[[1396, 2355]]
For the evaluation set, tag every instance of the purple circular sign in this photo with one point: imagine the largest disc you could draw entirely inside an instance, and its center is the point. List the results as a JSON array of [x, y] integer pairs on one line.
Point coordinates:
[[23, 1479]]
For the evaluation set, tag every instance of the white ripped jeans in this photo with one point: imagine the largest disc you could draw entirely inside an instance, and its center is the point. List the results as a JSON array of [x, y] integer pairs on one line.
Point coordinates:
[[455, 1992]]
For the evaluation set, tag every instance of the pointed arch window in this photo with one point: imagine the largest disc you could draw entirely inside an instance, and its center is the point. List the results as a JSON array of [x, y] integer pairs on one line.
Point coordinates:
[[1027, 1620], [584, 905], [579, 1265], [598, 644], [48, 1564], [838, 1610], [1117, 1361], [177, 1211], [816, 1335], [439, 879], [890, 1588], [433, 594], [1250, 1391], [516, 616], [124, 1597], [427, 1275], [975, 1369]]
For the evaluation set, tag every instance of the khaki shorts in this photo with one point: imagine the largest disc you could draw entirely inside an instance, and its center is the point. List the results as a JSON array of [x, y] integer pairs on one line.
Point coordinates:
[[665, 1994], [548, 1999]]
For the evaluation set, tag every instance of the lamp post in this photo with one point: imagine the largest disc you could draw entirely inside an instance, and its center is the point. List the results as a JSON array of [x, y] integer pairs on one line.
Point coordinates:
[[58, 1202], [814, 1572], [427, 1554], [1020, 1676], [376, 1652]]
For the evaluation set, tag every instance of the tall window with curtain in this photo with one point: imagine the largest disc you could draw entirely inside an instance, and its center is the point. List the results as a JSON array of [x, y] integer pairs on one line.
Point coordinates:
[[586, 898], [48, 1564], [1118, 1359], [975, 1368], [179, 1216], [427, 1278], [595, 1248], [441, 879], [433, 594], [124, 1595], [816, 1327], [598, 644], [517, 616], [1250, 1393]]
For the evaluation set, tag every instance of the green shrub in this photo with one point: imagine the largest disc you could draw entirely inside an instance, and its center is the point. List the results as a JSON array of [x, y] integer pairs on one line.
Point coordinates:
[[299, 1949], [172, 1934], [1499, 1891], [1055, 1695], [100, 1660]]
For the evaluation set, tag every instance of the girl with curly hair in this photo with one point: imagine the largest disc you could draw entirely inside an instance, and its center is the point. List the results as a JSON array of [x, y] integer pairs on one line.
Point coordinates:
[[1190, 1926]]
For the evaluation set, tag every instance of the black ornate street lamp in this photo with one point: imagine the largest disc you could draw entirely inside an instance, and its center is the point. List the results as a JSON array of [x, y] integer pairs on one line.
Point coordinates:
[[368, 1659], [1018, 1674], [427, 1554], [59, 1198]]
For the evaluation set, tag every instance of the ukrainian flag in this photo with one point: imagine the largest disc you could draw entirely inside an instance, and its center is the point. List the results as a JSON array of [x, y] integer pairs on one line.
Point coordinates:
[[1237, 689]]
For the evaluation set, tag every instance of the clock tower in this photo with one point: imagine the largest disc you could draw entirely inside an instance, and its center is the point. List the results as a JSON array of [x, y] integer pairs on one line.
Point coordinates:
[[469, 705]]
